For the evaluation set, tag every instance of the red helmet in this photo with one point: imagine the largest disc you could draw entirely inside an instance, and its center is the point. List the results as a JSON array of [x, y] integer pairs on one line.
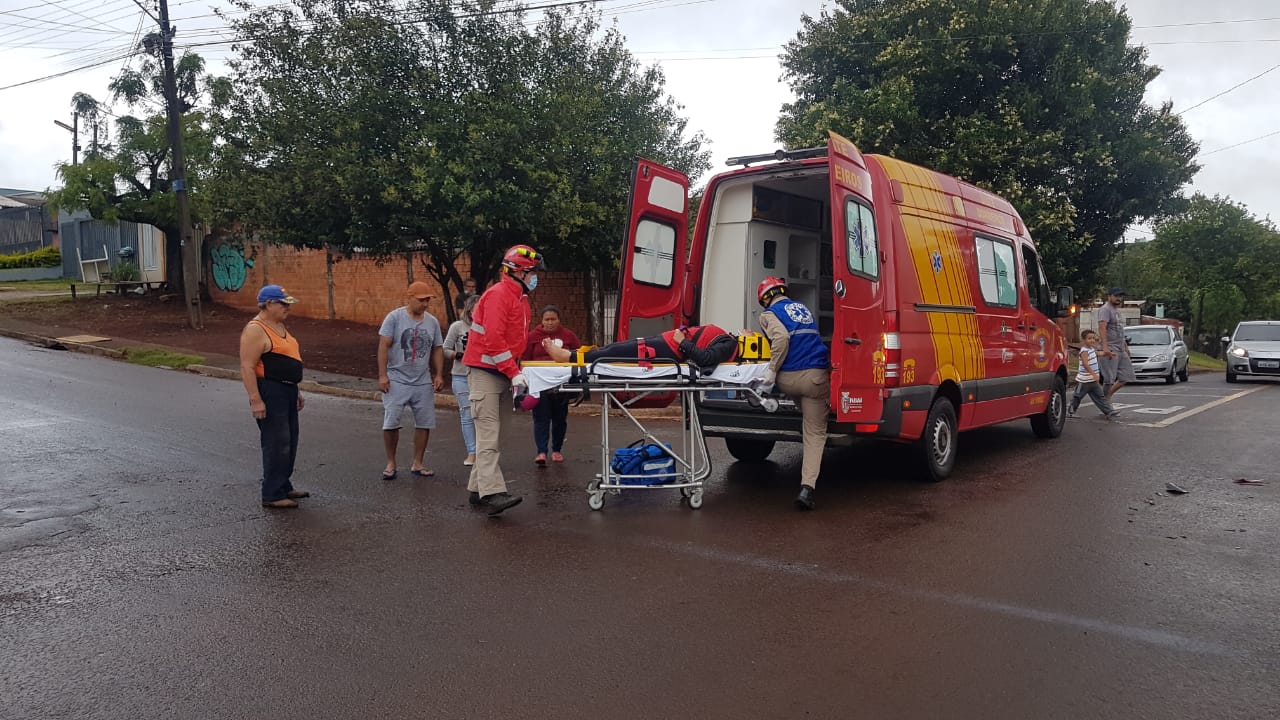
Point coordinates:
[[769, 288], [522, 257]]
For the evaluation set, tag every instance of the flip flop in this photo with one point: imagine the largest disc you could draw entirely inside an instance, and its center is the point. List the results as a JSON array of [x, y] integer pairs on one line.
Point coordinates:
[[389, 474], [422, 472]]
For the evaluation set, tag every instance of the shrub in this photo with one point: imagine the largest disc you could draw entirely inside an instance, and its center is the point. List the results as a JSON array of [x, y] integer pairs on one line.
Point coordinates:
[[125, 271], [42, 258]]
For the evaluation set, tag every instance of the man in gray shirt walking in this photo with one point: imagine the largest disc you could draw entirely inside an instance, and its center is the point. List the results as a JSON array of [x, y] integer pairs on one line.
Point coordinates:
[[1117, 367], [410, 370]]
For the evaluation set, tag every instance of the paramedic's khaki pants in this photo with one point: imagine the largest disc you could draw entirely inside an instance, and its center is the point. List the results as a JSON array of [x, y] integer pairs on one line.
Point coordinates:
[[811, 389], [490, 395]]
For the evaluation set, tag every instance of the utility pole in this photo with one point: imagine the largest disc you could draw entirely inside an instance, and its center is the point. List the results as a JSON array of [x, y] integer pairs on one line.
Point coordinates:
[[74, 129], [178, 175]]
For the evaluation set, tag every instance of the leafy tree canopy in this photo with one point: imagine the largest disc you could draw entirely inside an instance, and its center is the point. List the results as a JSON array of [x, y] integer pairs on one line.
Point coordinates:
[[129, 179], [1040, 101], [1220, 257], [443, 126]]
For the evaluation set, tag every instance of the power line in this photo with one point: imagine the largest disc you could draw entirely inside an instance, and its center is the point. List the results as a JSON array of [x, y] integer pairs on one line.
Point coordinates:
[[33, 81], [1233, 87], [1246, 142]]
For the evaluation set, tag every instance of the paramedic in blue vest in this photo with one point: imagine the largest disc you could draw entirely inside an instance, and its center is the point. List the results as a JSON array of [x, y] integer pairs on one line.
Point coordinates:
[[800, 365]]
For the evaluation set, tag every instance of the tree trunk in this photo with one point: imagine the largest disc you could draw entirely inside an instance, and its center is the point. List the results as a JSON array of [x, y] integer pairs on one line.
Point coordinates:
[[595, 308], [1196, 322]]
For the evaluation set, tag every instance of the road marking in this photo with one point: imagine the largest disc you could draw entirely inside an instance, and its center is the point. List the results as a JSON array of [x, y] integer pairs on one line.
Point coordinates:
[[1126, 393], [1130, 632], [28, 423], [1199, 409]]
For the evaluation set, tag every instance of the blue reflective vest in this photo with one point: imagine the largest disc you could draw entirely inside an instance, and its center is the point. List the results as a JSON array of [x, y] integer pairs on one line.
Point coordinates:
[[805, 350]]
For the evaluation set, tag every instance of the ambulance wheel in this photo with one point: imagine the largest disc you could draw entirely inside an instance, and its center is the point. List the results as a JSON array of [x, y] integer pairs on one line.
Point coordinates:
[[695, 500], [1049, 423], [595, 501], [938, 444], [749, 450]]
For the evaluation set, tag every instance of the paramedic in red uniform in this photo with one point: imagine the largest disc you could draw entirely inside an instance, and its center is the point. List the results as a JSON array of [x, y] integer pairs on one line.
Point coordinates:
[[499, 327], [705, 346], [800, 365]]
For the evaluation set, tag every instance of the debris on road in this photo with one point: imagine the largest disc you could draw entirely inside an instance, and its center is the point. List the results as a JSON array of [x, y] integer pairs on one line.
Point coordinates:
[[1174, 489], [1246, 481]]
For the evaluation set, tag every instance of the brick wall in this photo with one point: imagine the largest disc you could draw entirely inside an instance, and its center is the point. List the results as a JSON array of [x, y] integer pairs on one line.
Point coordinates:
[[366, 289]]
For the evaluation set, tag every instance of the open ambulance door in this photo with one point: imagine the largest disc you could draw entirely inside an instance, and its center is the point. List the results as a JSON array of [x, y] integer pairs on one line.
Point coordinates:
[[655, 254], [860, 359]]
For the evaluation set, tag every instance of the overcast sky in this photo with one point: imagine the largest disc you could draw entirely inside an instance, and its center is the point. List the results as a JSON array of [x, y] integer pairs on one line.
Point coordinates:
[[720, 59]]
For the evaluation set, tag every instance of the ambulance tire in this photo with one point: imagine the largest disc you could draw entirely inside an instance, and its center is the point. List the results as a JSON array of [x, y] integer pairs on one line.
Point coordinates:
[[749, 450], [939, 442], [1049, 423]]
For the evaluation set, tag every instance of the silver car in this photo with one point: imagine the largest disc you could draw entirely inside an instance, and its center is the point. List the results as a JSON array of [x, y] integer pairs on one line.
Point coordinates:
[[1158, 352], [1254, 350]]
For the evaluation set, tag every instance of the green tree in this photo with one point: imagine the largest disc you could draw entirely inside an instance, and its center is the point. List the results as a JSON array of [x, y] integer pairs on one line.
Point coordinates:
[[130, 178], [443, 127], [1222, 258], [1040, 101]]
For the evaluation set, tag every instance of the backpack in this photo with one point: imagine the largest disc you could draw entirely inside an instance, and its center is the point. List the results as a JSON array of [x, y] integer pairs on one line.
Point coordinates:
[[653, 463]]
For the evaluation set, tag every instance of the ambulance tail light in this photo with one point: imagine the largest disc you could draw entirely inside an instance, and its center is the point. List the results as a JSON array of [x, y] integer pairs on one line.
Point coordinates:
[[892, 351]]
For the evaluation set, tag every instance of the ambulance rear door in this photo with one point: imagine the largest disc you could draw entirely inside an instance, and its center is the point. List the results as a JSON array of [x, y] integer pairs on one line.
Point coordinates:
[[858, 352], [655, 254]]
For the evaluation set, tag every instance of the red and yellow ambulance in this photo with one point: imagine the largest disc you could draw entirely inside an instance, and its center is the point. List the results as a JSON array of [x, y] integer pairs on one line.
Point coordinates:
[[928, 290]]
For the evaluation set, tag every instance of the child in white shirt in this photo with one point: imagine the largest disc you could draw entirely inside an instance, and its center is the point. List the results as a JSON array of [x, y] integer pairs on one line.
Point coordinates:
[[1088, 381]]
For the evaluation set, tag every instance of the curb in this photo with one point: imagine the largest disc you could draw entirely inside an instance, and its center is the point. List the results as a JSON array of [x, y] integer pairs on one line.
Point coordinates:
[[441, 399], [56, 344]]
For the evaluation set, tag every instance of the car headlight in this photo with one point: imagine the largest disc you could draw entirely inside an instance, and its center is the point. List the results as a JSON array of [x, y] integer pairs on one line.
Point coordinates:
[[1160, 357], [1239, 352]]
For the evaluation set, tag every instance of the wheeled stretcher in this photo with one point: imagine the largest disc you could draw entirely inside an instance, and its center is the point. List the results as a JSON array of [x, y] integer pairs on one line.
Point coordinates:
[[620, 384]]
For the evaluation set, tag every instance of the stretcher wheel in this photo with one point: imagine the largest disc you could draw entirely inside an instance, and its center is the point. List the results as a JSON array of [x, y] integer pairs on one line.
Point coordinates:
[[686, 492], [595, 501], [695, 499]]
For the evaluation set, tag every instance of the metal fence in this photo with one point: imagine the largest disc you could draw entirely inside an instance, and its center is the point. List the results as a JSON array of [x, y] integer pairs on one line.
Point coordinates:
[[22, 230]]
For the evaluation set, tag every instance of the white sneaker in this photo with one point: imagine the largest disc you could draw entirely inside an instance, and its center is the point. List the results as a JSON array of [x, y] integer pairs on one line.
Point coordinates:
[[471, 460]]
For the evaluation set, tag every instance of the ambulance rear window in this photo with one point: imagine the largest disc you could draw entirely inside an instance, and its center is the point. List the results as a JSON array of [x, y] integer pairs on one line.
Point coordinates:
[[655, 254], [862, 248]]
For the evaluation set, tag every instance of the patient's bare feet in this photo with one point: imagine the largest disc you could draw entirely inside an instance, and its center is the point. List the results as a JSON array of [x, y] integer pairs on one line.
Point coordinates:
[[558, 354]]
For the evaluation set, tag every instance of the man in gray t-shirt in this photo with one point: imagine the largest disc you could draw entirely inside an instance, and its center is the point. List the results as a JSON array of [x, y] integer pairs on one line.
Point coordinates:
[[410, 369], [1117, 368]]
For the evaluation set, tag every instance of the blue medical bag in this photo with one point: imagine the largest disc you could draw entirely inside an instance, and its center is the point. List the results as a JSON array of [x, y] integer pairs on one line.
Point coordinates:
[[651, 462]]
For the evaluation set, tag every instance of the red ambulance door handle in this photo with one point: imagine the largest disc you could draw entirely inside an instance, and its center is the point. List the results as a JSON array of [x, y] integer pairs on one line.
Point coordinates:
[[852, 341]]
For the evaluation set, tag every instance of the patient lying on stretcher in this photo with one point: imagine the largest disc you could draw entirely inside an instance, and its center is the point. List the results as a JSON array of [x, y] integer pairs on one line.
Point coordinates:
[[704, 346]]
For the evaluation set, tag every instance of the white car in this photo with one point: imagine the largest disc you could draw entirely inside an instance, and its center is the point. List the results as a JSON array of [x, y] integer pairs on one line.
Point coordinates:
[[1254, 350], [1158, 352]]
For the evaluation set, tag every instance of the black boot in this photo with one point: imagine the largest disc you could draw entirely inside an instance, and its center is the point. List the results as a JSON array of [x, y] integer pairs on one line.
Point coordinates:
[[804, 500], [498, 502], [474, 498]]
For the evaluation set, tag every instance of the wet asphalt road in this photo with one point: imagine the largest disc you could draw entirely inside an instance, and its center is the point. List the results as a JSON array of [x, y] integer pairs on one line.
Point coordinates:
[[139, 578]]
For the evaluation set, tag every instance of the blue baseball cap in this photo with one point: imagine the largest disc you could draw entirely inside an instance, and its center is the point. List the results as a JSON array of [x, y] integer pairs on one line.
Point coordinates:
[[275, 293], [1117, 291]]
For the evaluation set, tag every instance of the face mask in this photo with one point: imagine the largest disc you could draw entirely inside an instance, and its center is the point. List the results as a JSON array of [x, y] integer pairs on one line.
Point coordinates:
[[531, 282]]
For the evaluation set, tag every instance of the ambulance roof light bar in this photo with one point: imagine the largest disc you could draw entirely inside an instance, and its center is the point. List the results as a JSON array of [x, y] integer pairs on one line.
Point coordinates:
[[778, 155]]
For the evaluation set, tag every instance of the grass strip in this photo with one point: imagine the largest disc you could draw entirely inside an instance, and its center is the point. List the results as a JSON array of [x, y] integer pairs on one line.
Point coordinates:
[[154, 357]]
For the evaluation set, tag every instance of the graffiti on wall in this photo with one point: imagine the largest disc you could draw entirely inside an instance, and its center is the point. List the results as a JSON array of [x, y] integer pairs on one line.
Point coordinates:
[[230, 267]]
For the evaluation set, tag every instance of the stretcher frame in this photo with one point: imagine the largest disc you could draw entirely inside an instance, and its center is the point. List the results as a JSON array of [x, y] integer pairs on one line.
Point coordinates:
[[692, 459]]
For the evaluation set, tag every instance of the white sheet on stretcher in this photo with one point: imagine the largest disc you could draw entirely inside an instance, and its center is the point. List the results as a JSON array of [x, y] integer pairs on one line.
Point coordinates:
[[547, 377]]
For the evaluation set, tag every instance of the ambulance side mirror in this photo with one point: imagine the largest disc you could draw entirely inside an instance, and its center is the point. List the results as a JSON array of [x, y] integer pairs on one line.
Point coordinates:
[[1066, 302]]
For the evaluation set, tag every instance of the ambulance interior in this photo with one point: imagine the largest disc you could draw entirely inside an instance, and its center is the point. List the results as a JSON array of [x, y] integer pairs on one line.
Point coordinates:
[[769, 225]]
